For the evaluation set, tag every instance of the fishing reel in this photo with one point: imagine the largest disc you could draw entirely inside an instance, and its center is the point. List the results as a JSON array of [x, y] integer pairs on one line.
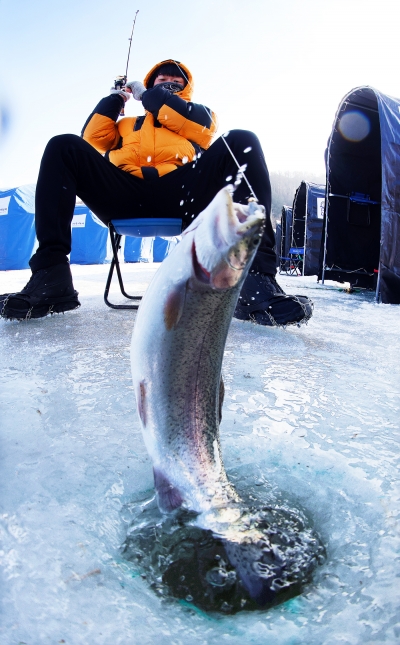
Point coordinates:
[[119, 84]]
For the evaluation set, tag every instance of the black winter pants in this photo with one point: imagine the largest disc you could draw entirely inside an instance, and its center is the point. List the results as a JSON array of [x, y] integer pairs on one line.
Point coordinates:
[[71, 166]]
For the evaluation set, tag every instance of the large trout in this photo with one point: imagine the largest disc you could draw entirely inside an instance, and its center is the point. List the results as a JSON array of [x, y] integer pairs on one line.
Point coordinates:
[[177, 350]]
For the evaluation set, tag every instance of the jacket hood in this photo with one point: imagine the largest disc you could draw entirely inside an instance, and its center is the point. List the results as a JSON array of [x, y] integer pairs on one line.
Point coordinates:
[[187, 91]]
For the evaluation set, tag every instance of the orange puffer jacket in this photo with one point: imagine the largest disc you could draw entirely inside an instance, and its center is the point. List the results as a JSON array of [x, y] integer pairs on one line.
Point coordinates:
[[170, 134]]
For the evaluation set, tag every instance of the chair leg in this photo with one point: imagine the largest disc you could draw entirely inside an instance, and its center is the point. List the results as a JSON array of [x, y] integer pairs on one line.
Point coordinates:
[[115, 245]]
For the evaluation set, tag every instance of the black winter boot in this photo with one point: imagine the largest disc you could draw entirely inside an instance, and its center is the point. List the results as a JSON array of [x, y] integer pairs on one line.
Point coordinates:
[[49, 291], [263, 301]]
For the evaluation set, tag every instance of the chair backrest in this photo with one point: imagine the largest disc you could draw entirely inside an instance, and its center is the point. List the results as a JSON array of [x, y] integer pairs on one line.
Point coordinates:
[[148, 226]]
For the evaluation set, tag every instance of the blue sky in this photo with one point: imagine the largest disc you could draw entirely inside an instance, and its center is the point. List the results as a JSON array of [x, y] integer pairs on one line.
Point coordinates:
[[277, 67]]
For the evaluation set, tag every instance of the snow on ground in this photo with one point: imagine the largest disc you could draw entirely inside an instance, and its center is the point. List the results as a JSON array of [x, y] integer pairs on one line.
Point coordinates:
[[311, 414]]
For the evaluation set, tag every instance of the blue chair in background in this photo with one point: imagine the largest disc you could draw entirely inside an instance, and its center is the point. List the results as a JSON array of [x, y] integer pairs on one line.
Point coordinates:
[[137, 227], [292, 264]]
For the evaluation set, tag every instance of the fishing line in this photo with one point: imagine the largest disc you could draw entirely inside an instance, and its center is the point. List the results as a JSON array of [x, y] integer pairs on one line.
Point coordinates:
[[240, 168]]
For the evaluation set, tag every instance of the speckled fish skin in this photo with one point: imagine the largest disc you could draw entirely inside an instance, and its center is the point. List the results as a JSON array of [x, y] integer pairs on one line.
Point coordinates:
[[177, 350]]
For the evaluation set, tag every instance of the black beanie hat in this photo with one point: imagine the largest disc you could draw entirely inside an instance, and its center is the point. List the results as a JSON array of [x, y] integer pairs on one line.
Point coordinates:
[[168, 69]]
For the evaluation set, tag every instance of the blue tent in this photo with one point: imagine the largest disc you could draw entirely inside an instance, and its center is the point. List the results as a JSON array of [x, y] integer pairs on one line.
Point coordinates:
[[89, 237], [146, 249], [278, 239], [285, 237], [163, 246], [361, 242], [138, 249], [308, 218], [17, 227]]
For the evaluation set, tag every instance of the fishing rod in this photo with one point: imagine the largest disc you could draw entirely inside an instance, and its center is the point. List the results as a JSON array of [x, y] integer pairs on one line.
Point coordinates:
[[120, 81]]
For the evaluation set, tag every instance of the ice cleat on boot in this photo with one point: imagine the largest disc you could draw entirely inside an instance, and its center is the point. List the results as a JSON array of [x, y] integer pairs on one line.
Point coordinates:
[[49, 291], [263, 301]]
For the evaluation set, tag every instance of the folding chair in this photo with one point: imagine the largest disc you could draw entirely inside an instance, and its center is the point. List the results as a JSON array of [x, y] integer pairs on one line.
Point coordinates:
[[138, 227], [293, 263], [358, 209], [296, 258]]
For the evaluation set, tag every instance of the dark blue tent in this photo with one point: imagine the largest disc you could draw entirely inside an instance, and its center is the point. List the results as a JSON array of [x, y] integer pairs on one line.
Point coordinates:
[[361, 242], [308, 217], [278, 239], [286, 237], [89, 237], [17, 227]]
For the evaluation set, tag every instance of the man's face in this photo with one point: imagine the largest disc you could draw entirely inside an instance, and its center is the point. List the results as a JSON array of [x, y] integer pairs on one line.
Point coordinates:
[[164, 78]]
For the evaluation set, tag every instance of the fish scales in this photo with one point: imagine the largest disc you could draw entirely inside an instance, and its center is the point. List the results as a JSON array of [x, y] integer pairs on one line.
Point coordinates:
[[177, 351]]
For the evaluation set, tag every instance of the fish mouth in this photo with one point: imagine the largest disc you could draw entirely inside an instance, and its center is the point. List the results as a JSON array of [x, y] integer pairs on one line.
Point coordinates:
[[200, 272]]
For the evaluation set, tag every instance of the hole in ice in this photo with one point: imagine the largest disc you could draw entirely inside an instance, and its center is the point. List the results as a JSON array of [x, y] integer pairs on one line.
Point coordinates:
[[267, 557]]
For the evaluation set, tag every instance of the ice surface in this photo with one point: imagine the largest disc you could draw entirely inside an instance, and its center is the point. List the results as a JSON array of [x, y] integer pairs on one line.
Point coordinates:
[[311, 418]]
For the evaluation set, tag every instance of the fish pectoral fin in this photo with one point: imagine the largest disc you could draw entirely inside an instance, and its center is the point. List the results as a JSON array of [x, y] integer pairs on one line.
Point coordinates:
[[168, 497], [174, 305]]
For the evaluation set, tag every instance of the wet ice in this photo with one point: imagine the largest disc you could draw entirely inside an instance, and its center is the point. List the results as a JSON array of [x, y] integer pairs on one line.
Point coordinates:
[[310, 419]]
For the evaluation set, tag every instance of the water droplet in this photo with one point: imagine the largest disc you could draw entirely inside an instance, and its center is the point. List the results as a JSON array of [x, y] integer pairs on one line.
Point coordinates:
[[149, 158], [229, 178], [247, 149], [185, 159], [189, 598], [181, 202]]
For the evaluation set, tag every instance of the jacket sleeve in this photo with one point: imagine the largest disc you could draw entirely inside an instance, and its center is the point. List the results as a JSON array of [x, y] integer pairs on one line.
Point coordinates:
[[100, 129], [194, 121]]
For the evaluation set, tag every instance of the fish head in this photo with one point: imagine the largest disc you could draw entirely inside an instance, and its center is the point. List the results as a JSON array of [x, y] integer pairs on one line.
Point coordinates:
[[225, 238]]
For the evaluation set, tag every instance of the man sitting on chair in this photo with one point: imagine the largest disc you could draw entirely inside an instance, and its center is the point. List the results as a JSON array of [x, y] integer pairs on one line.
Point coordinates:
[[161, 164]]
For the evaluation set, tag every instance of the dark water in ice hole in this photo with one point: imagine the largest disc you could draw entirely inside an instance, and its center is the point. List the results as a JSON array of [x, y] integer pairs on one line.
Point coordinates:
[[183, 561]]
